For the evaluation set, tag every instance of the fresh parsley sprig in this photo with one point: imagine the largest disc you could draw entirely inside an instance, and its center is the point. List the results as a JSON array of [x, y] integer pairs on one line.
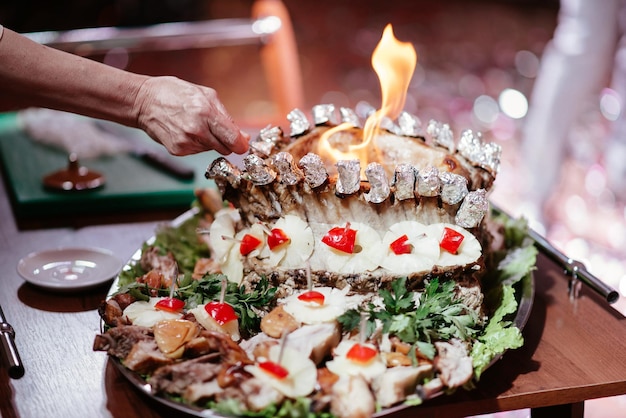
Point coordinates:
[[247, 304], [434, 315]]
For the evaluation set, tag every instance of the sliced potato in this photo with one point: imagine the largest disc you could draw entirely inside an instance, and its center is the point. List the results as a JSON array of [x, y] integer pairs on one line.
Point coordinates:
[[172, 334]]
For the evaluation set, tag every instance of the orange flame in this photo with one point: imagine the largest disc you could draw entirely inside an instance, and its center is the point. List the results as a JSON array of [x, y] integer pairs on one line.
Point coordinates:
[[394, 62]]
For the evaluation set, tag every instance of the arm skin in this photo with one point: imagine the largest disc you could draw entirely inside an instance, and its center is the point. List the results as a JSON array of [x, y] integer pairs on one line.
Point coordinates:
[[186, 118]]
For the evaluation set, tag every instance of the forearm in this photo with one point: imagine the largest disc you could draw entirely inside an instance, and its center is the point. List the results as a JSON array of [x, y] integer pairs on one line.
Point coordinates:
[[35, 75]]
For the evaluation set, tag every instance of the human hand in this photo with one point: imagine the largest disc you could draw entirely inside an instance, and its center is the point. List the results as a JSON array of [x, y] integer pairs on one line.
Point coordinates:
[[187, 118]]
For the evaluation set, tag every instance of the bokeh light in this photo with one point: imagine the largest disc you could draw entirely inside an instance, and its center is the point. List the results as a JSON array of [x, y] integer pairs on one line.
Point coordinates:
[[486, 109], [595, 180], [527, 63], [610, 104], [267, 25], [513, 103]]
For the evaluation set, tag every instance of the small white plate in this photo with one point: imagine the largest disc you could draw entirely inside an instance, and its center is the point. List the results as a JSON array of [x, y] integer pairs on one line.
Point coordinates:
[[69, 268]]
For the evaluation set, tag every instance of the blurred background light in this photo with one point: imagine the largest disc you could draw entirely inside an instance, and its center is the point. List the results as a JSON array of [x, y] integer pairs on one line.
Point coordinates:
[[513, 103], [486, 109], [610, 104], [527, 63]]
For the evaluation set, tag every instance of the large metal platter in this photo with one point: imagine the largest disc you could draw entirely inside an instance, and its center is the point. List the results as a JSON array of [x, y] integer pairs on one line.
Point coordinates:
[[525, 293]]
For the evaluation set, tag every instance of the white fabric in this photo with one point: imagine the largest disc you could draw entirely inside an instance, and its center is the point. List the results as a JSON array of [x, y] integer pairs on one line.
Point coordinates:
[[578, 62]]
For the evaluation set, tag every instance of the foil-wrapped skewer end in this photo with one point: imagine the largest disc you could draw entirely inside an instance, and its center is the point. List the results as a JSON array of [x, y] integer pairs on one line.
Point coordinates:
[[404, 181], [258, 172], [453, 187], [485, 155], [473, 209], [348, 177], [265, 143], [315, 173], [441, 134], [289, 173], [349, 116], [409, 125], [324, 114], [379, 184], [223, 171], [299, 124], [428, 183]]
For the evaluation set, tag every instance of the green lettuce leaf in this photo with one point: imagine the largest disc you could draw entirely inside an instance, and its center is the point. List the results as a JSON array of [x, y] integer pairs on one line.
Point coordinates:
[[517, 264], [499, 335]]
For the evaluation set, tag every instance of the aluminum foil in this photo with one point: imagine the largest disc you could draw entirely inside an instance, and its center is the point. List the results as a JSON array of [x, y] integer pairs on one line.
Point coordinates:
[[299, 124], [221, 170], [315, 173], [289, 173], [388, 124], [404, 181], [265, 143], [379, 184], [324, 114], [441, 134], [483, 155], [428, 183], [364, 110], [349, 176], [453, 187], [349, 116], [258, 172], [491, 156], [473, 209], [409, 125]]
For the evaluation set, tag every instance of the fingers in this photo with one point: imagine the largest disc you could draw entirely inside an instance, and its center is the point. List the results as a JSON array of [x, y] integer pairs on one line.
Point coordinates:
[[227, 132], [187, 118]]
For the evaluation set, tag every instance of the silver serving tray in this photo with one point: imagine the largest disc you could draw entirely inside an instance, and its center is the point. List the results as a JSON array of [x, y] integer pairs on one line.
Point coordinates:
[[525, 293]]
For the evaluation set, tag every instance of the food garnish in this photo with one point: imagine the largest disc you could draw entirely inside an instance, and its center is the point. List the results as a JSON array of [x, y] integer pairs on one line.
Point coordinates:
[[451, 240], [361, 353], [248, 244], [276, 238], [221, 312], [420, 320], [274, 369], [312, 296], [341, 238], [401, 246], [170, 304]]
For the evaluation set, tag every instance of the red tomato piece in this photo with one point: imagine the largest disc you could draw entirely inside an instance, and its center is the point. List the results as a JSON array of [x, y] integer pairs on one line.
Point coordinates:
[[276, 238], [451, 240], [274, 369], [312, 296], [341, 238], [221, 312], [400, 246], [248, 244], [170, 304], [362, 354]]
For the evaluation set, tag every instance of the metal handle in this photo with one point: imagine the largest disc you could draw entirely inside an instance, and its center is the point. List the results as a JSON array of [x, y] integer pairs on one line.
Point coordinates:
[[11, 355], [576, 269], [160, 37]]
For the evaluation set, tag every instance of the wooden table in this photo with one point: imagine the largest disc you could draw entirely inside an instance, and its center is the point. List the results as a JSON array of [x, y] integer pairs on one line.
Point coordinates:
[[573, 351]]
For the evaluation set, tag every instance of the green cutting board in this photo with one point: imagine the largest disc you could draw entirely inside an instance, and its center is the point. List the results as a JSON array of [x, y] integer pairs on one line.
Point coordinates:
[[131, 184]]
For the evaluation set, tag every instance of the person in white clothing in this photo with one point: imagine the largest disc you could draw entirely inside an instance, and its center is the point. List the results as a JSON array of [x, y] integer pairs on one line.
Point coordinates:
[[586, 54]]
